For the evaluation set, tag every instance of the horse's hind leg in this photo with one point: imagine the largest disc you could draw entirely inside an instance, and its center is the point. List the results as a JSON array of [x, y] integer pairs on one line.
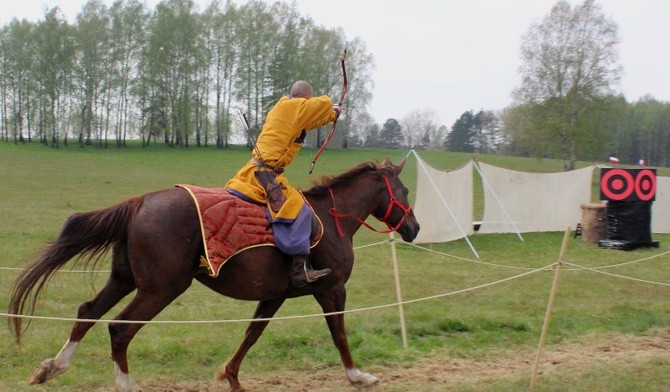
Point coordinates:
[[145, 306], [119, 284], [229, 371]]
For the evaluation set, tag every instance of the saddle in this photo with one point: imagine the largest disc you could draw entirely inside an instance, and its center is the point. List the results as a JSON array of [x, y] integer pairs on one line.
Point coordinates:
[[230, 225]]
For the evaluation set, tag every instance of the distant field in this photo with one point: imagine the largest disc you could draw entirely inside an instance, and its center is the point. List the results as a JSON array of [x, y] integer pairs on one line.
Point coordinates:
[[460, 339]]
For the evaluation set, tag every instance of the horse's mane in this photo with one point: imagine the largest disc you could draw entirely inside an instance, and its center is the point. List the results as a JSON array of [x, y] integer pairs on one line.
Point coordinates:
[[321, 186]]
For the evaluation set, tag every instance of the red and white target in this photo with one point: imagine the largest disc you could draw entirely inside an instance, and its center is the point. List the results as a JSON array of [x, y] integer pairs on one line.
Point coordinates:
[[627, 184], [645, 185]]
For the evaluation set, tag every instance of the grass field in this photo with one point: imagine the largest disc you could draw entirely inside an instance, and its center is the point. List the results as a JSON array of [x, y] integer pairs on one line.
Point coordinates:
[[496, 324]]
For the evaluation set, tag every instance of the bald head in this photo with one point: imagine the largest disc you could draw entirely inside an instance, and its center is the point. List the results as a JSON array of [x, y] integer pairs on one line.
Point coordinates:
[[301, 89]]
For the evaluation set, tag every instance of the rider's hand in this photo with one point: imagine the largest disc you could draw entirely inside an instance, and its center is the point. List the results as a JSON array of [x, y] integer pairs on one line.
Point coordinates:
[[339, 109]]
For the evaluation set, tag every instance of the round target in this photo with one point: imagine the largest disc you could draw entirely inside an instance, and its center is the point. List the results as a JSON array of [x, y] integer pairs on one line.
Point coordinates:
[[645, 185], [617, 184]]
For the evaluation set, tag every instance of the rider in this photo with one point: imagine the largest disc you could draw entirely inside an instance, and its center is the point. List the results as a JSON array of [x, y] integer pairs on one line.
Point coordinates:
[[262, 179]]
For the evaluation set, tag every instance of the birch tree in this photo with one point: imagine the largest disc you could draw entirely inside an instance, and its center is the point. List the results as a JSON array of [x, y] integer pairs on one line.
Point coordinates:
[[569, 59], [55, 51]]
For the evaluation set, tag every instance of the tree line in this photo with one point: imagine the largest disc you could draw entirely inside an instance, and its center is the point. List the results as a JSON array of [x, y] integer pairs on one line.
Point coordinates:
[[180, 76], [173, 74]]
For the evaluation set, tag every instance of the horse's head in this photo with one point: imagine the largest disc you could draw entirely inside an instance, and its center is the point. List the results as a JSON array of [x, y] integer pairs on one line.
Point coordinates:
[[369, 189], [393, 207]]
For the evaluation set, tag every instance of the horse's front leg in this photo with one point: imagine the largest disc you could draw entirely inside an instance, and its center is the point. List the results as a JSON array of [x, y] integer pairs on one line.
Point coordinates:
[[229, 371], [334, 301]]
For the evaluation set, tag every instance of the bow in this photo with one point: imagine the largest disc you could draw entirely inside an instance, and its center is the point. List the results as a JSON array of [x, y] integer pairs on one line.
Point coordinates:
[[247, 127], [332, 129]]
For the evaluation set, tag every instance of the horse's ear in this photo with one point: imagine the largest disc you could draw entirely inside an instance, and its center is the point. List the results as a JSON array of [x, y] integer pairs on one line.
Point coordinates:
[[395, 168], [401, 164]]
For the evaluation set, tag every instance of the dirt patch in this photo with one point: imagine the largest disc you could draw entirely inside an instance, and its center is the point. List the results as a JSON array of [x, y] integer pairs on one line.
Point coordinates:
[[437, 374]]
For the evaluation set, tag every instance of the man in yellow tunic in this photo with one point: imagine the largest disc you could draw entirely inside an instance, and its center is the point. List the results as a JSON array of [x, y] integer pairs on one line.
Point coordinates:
[[262, 180]]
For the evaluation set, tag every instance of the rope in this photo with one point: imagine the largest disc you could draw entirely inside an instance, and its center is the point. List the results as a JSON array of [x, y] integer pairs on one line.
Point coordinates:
[[529, 271], [366, 309], [369, 245], [68, 271], [632, 261], [419, 247], [470, 260], [617, 275], [108, 271], [527, 268]]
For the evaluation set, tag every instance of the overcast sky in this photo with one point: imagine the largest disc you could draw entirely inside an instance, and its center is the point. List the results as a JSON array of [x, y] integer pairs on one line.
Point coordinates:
[[451, 56]]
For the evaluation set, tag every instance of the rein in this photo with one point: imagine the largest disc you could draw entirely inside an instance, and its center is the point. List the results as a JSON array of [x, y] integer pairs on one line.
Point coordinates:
[[392, 202]]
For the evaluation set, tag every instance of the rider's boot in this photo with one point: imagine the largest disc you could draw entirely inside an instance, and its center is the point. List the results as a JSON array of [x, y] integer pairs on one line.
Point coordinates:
[[302, 273]]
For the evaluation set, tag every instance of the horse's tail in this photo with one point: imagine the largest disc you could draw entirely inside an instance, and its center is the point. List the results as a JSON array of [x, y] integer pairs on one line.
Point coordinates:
[[87, 235]]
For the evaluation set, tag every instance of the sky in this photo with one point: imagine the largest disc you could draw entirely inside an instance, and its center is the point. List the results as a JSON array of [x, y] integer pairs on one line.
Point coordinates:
[[452, 56]]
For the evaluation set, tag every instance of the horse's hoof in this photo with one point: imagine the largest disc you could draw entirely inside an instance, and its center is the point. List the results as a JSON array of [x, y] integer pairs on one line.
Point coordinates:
[[122, 381], [48, 369], [356, 377], [222, 374]]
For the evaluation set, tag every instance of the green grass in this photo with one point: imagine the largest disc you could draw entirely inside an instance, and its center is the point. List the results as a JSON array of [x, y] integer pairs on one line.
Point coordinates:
[[40, 187]]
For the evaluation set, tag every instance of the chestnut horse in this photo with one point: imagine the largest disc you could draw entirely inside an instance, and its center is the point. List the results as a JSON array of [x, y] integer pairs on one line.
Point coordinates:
[[156, 247]]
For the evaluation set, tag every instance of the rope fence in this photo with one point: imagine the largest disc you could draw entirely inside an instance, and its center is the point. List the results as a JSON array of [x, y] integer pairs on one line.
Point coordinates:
[[527, 271], [218, 321], [89, 271]]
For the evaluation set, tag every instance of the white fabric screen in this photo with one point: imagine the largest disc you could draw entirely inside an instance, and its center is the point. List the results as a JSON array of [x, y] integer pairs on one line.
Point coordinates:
[[533, 201], [660, 209], [443, 204]]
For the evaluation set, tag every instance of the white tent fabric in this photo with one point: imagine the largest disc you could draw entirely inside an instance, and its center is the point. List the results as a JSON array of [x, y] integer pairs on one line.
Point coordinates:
[[660, 209], [533, 201], [443, 204], [514, 201]]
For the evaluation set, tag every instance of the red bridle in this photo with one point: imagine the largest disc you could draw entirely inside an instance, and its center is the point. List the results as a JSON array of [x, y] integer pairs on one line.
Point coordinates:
[[392, 202]]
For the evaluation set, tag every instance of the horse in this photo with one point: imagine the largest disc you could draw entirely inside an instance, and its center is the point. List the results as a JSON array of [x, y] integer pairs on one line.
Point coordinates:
[[157, 244]]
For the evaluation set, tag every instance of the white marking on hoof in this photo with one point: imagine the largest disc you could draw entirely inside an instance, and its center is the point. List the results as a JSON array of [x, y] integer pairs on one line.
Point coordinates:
[[357, 377], [122, 380], [66, 354], [52, 367]]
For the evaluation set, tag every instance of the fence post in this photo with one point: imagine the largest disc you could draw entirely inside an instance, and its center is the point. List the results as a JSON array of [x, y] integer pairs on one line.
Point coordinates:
[[550, 307], [396, 274]]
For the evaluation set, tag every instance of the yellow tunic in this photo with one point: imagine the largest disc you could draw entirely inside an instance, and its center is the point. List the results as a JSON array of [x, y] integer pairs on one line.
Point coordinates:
[[278, 143]]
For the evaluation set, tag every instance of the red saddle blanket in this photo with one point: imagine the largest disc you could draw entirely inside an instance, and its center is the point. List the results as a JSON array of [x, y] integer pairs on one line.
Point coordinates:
[[230, 225]]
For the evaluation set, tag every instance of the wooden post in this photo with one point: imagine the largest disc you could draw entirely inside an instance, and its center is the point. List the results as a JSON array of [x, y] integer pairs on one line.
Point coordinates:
[[396, 275], [550, 307]]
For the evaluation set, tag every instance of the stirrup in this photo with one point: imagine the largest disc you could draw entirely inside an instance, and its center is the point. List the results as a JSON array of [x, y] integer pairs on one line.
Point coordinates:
[[315, 274]]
